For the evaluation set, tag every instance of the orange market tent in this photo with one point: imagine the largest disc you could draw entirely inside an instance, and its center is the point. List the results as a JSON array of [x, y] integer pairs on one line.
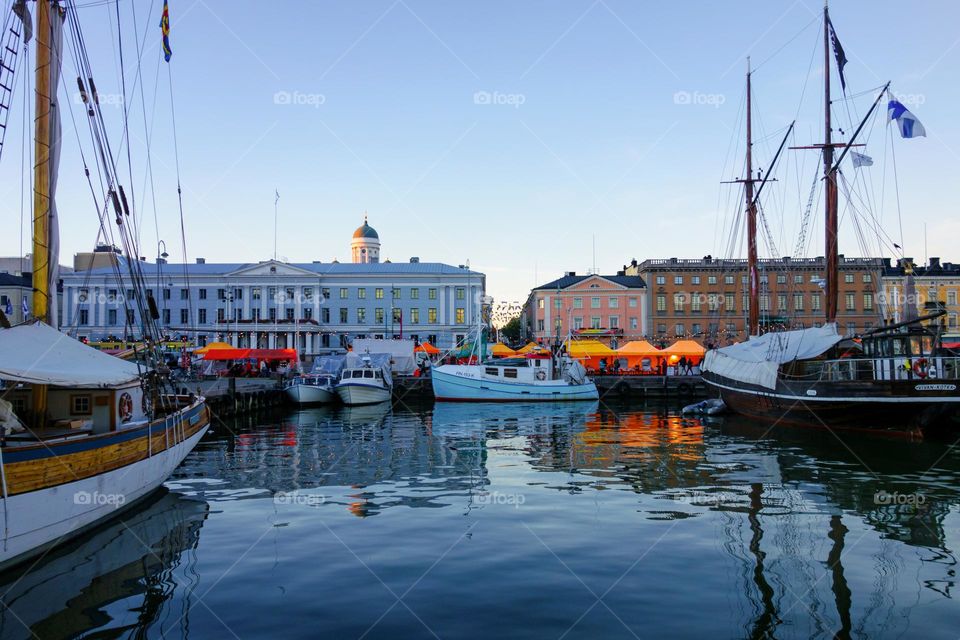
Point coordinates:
[[213, 345], [530, 346], [688, 348], [636, 351], [501, 350], [590, 352], [426, 347]]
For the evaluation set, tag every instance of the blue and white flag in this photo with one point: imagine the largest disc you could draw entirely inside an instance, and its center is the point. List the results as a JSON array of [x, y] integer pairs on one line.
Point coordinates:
[[9, 309], [860, 160], [23, 305], [908, 124]]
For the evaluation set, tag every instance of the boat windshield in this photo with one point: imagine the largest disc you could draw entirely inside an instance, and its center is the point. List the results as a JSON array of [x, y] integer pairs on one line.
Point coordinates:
[[507, 362]]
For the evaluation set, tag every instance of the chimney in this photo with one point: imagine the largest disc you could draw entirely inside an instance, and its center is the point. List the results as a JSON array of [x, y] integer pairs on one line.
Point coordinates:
[[201, 261], [414, 260], [569, 274], [934, 263], [622, 273]]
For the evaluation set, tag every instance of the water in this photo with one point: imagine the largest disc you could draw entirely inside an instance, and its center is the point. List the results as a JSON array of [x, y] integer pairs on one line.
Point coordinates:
[[517, 522]]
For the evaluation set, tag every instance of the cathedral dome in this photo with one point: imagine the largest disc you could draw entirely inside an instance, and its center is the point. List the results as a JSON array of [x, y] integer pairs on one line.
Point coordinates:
[[366, 231]]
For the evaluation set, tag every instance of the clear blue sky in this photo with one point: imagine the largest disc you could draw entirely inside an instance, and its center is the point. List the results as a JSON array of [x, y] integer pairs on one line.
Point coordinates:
[[584, 130]]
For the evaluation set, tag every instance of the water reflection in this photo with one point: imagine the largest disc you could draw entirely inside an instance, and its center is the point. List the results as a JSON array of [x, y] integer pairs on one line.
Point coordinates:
[[96, 582], [716, 528]]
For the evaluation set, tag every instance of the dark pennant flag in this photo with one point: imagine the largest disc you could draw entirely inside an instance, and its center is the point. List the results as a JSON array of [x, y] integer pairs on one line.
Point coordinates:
[[838, 51]]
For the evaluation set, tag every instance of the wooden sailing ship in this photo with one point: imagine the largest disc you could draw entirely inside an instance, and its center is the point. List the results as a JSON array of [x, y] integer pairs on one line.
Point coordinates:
[[896, 376]]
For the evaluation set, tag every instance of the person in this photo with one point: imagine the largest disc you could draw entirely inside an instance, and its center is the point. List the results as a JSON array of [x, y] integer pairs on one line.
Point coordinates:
[[603, 366], [263, 369], [682, 365]]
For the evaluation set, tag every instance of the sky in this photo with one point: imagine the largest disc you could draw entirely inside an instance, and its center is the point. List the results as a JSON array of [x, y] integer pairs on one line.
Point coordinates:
[[526, 138]]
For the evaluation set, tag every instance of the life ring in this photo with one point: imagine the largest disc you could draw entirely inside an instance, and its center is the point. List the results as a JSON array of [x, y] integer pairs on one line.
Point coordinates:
[[125, 407], [541, 375], [920, 367]]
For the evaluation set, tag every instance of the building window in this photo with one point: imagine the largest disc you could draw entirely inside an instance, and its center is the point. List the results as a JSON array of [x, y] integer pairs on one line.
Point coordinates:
[[661, 280], [112, 316], [461, 293], [166, 316], [221, 294], [781, 278], [952, 320], [594, 303], [343, 315], [202, 316], [695, 302], [632, 303], [461, 315], [540, 304], [729, 303], [556, 303], [614, 303], [595, 322], [221, 315], [432, 294], [867, 278], [184, 316], [578, 303], [694, 279], [414, 315], [378, 315], [289, 295], [307, 313], [540, 324], [166, 294], [680, 329], [325, 315], [80, 405], [815, 302], [633, 323], [325, 293], [362, 315], [432, 315], [696, 329], [184, 294], [415, 294], [255, 293], [577, 323], [308, 293], [781, 302], [711, 279], [798, 279], [395, 293], [661, 303], [344, 293], [289, 313], [765, 302], [678, 302], [798, 302], [848, 278], [677, 279], [713, 302], [202, 294], [952, 298], [238, 294], [851, 301], [661, 328], [731, 327], [614, 322], [868, 302], [727, 279]]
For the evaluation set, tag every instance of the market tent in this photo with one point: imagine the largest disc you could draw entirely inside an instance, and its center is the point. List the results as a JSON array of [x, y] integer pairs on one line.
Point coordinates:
[[251, 354], [501, 350], [636, 351], [529, 347], [39, 354], [591, 352], [688, 348], [213, 345], [426, 347]]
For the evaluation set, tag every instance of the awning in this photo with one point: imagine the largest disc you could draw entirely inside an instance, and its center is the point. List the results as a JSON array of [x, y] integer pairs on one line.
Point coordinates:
[[640, 348], [426, 347], [684, 348], [39, 354], [213, 345], [530, 346], [501, 350]]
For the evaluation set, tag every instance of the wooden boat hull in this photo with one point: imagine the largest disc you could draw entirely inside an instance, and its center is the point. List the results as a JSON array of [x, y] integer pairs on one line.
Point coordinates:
[[453, 388], [56, 490], [855, 405]]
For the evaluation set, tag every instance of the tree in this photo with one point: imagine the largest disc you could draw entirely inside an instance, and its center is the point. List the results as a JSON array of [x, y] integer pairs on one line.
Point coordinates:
[[511, 330]]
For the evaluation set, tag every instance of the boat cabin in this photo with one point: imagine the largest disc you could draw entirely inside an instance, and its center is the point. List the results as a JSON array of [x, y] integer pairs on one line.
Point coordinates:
[[365, 372], [527, 368]]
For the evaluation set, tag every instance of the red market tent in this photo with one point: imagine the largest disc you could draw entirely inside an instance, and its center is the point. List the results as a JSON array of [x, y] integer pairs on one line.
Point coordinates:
[[426, 347], [251, 354]]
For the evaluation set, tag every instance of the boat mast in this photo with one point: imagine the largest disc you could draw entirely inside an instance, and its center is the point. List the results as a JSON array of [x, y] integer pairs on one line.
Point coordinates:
[[753, 316], [830, 187], [41, 189]]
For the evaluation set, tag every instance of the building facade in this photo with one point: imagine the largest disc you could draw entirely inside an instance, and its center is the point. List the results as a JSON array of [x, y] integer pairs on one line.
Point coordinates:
[[16, 296], [931, 288], [707, 299], [611, 308], [315, 307]]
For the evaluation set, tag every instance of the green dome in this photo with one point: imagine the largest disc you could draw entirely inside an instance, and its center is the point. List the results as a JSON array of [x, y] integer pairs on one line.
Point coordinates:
[[366, 231]]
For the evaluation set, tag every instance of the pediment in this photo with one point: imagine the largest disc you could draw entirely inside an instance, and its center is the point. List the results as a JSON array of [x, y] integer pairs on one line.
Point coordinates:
[[271, 268]]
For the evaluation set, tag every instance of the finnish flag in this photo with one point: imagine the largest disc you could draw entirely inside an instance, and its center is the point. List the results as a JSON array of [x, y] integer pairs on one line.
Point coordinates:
[[908, 124]]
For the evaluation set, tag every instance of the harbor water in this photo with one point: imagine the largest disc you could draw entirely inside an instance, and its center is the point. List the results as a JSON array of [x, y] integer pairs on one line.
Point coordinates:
[[525, 521]]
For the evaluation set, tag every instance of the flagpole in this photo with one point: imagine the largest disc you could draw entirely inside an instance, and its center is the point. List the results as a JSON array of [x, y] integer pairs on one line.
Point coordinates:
[[276, 200]]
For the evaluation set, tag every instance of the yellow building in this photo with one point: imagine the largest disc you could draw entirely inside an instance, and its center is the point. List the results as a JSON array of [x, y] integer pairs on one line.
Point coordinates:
[[923, 290]]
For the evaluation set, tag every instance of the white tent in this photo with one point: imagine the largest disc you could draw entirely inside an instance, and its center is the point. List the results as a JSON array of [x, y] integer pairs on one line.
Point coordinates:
[[757, 360], [401, 353], [39, 354]]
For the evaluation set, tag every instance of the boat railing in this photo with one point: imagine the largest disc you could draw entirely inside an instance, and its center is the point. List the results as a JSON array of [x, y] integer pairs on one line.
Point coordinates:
[[894, 369]]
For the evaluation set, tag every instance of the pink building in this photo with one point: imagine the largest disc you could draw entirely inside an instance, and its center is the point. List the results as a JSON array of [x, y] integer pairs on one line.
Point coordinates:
[[611, 308]]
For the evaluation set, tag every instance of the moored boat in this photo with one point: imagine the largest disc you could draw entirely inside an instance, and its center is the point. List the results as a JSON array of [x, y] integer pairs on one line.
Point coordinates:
[[367, 382]]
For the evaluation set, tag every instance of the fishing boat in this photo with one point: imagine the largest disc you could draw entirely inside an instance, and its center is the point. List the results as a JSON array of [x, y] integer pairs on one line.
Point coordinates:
[[85, 434], [897, 375], [319, 385], [365, 380]]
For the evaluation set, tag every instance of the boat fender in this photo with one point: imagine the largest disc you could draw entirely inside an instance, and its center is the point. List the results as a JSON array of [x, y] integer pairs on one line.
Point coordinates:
[[684, 388], [541, 375], [920, 367]]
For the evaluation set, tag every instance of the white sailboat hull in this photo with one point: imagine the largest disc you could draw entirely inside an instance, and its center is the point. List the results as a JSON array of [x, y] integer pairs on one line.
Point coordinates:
[[37, 520]]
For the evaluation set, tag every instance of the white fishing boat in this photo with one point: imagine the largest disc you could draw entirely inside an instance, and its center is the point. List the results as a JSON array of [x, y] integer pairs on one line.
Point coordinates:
[[84, 434], [536, 376], [367, 381], [318, 386]]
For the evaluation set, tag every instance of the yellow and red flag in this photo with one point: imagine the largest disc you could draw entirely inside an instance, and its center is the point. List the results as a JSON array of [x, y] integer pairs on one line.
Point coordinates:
[[165, 30]]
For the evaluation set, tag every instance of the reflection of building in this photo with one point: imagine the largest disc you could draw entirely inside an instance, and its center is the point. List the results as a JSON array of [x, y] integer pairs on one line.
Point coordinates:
[[936, 287], [707, 298], [609, 307], [269, 304]]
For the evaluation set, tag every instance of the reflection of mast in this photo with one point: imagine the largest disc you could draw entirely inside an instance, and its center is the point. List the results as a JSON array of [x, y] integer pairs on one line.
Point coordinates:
[[841, 592], [767, 621]]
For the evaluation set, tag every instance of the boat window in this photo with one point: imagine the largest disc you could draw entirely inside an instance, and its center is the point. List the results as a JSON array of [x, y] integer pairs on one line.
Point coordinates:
[[492, 371], [346, 375], [368, 373], [378, 374], [509, 373]]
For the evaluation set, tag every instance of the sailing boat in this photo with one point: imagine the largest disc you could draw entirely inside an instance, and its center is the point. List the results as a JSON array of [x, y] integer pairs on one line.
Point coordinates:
[[898, 376], [98, 433]]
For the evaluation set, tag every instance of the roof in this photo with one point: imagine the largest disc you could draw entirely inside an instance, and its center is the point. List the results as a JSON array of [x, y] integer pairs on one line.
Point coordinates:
[[10, 280], [630, 282], [319, 268], [366, 231]]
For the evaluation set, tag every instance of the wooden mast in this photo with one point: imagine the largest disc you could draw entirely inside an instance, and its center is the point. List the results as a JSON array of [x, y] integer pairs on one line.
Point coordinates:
[[753, 315], [832, 275], [41, 190]]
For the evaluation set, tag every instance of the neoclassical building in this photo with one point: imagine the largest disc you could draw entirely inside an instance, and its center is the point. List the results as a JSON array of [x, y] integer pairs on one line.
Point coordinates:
[[314, 307]]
